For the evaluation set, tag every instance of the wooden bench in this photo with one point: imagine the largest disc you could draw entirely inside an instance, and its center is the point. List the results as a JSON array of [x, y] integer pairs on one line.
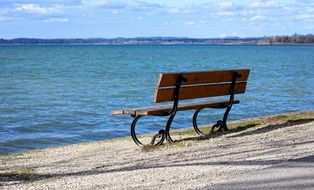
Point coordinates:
[[173, 87]]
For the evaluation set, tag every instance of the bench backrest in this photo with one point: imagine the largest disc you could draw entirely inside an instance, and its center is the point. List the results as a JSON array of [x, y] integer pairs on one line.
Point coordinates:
[[200, 84]]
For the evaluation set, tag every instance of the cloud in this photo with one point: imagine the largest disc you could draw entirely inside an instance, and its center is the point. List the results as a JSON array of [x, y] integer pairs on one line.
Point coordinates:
[[36, 9], [174, 10], [263, 4], [7, 3], [306, 2], [224, 35], [3, 11], [305, 17], [224, 5], [4, 18], [310, 27], [55, 20], [32, 12], [107, 4], [115, 12], [225, 14], [189, 23], [129, 5], [201, 8], [257, 17]]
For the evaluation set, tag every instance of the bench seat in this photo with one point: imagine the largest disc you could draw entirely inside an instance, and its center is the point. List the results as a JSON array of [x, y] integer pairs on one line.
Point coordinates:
[[162, 110]]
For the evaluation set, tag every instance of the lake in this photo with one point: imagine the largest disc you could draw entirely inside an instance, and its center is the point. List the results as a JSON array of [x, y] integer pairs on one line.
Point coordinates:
[[56, 95]]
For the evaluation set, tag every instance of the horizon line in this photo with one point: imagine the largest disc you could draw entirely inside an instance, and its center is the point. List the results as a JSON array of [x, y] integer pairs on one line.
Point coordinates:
[[178, 37]]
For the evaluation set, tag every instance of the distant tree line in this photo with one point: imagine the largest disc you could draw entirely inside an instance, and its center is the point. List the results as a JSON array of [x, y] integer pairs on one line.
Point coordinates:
[[139, 40], [294, 39]]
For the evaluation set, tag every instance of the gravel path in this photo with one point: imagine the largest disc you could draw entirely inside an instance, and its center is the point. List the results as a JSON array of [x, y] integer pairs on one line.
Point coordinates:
[[218, 162]]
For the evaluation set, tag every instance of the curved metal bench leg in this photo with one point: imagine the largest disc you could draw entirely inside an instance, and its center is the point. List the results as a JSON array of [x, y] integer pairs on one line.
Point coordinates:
[[135, 139], [161, 134], [223, 123], [167, 132], [197, 130], [220, 123]]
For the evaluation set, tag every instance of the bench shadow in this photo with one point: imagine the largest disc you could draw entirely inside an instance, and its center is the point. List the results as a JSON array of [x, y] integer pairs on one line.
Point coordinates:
[[20, 177], [218, 133], [242, 129], [268, 128]]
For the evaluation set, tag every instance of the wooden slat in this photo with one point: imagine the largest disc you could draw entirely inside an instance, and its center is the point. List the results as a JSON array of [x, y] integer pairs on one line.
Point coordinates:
[[182, 107], [117, 112], [191, 92], [200, 77]]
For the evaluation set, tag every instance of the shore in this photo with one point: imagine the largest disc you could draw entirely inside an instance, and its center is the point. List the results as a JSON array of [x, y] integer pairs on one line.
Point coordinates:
[[260, 153]]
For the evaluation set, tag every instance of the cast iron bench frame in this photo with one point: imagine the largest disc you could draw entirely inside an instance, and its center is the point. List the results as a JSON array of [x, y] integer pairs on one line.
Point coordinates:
[[190, 85]]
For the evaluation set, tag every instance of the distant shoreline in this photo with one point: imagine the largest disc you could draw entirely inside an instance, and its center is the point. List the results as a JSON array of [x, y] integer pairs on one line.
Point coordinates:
[[157, 44], [270, 40], [131, 41]]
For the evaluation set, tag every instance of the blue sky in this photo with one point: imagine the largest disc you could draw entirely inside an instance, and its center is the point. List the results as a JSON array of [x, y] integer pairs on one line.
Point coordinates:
[[135, 18]]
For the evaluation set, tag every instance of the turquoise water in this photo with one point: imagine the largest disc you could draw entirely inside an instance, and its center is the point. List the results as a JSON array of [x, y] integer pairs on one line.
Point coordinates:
[[55, 95]]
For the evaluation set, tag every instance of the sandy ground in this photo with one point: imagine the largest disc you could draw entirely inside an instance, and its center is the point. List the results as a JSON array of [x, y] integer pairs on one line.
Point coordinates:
[[254, 157]]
